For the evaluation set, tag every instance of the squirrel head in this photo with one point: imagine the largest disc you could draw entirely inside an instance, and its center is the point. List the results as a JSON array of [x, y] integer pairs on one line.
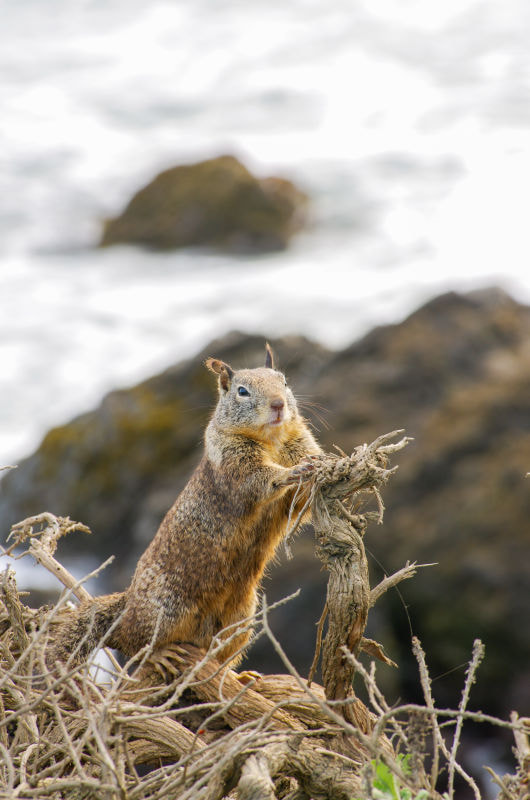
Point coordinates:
[[253, 402]]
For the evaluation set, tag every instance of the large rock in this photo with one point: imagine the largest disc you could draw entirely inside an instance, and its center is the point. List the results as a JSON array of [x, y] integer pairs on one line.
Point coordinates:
[[455, 374], [214, 203]]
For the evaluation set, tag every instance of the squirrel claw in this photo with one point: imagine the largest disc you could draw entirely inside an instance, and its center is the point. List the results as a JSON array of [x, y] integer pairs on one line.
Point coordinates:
[[299, 473], [248, 675], [302, 469]]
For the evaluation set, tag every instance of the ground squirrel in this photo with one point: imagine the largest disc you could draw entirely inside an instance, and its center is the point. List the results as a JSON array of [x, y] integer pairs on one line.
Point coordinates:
[[203, 568]]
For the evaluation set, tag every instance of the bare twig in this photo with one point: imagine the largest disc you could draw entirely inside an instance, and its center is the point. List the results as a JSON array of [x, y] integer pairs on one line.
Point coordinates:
[[439, 743], [43, 543], [478, 655], [406, 572]]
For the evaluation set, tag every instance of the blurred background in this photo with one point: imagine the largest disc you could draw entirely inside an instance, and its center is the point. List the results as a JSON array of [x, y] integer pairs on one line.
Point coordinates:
[[385, 144]]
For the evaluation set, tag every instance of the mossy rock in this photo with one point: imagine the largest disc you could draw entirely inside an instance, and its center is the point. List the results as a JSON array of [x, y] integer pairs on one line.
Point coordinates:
[[455, 374], [215, 203]]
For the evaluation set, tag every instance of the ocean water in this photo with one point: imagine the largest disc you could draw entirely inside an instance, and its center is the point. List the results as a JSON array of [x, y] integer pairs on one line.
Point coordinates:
[[407, 121]]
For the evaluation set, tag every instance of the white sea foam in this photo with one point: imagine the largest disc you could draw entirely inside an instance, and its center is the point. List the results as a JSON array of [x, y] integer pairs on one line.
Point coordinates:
[[406, 121]]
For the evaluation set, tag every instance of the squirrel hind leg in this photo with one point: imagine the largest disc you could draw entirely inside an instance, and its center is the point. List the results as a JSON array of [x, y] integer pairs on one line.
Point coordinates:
[[238, 631], [157, 619]]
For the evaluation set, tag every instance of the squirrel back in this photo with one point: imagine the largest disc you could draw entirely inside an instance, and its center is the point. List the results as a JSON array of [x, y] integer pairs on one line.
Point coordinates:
[[202, 570]]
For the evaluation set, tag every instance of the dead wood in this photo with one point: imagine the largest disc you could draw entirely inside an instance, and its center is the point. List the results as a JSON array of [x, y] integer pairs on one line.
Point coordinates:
[[338, 482], [177, 723], [180, 704]]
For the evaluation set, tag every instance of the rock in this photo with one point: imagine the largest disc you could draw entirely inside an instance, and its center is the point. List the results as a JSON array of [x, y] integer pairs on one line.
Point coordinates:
[[215, 203], [456, 375]]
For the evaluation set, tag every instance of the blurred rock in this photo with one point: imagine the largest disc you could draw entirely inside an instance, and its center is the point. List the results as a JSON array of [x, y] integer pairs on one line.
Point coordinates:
[[455, 374], [215, 203]]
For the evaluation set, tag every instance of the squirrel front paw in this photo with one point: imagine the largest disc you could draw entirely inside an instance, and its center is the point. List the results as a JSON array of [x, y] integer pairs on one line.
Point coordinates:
[[298, 474]]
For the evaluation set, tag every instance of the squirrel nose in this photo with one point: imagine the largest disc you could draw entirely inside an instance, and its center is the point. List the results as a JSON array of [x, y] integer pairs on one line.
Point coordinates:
[[277, 403]]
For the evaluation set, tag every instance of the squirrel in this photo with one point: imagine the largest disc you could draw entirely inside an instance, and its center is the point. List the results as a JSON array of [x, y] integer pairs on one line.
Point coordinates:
[[202, 570]]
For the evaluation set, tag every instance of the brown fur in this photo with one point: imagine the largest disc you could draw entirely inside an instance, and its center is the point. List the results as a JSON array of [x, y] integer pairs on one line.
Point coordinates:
[[202, 570]]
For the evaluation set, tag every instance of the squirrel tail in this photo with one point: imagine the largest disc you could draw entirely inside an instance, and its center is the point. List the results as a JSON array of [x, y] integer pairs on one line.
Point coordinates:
[[91, 622]]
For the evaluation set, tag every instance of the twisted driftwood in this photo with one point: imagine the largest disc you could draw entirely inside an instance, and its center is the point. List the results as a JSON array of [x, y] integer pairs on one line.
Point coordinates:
[[340, 480], [199, 730]]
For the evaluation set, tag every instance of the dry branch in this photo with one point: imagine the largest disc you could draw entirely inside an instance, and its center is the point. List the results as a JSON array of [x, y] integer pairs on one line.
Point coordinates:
[[196, 729], [43, 532], [337, 481]]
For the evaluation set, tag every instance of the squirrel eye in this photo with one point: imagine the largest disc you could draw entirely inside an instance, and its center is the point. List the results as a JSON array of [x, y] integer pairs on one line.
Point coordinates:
[[242, 392]]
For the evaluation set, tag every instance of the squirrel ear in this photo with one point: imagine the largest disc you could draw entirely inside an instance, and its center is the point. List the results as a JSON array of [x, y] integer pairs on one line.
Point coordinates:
[[222, 369], [269, 356]]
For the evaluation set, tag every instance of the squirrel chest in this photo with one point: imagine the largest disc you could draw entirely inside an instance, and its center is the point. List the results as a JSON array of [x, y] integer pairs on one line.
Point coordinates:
[[224, 528], [203, 568]]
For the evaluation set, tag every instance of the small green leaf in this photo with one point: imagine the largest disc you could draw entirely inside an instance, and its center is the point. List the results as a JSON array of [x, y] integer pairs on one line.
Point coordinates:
[[384, 780]]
